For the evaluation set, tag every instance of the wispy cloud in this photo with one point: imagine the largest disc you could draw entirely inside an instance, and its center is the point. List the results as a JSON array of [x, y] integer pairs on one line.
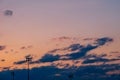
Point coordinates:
[[62, 38], [98, 59], [2, 60], [26, 47], [2, 47]]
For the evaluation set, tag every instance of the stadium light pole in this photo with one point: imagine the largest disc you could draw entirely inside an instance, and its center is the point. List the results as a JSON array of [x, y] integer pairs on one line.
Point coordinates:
[[28, 59], [71, 76], [13, 74]]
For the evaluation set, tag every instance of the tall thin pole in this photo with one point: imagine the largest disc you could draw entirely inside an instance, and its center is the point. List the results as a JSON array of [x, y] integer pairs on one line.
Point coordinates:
[[13, 74], [71, 76], [28, 70], [28, 59]]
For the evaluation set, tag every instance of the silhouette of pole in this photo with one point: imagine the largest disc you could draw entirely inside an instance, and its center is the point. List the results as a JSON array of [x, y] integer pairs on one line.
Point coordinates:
[[71, 76], [13, 74], [28, 59]]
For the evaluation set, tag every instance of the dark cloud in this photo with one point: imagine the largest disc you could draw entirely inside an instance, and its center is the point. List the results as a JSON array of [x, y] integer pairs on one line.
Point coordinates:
[[20, 62], [94, 56], [54, 50], [103, 55], [8, 12], [102, 41], [95, 60], [26, 47], [62, 38], [83, 50], [11, 51], [98, 60], [2, 47], [5, 68], [87, 39], [74, 47], [2, 60], [92, 72], [80, 51], [23, 47], [49, 58], [115, 52]]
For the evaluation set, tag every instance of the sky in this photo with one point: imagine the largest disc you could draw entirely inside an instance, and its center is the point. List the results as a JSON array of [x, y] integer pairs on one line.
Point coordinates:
[[36, 26]]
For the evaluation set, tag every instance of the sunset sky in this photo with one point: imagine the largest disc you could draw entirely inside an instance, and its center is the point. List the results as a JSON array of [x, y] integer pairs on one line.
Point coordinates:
[[37, 26]]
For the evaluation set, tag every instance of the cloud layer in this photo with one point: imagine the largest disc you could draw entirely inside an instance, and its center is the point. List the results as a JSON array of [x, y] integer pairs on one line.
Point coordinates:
[[80, 51]]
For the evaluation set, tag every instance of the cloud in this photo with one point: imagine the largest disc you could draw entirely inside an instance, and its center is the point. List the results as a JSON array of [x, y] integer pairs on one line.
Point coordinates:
[[74, 47], [94, 56], [8, 12], [80, 51], [26, 47], [115, 52], [65, 39], [49, 58], [20, 62], [2, 60], [96, 60], [2, 47], [88, 39], [54, 50], [11, 51], [62, 38], [83, 50], [5, 68], [102, 41], [23, 47]]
